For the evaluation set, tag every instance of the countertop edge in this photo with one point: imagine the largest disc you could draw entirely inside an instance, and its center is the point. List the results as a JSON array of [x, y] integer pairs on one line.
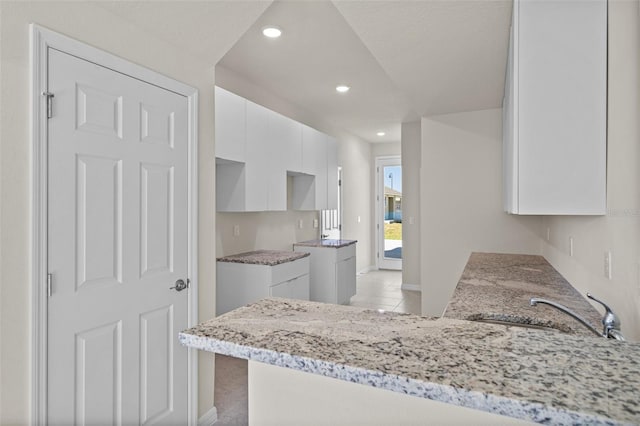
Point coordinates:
[[528, 411]]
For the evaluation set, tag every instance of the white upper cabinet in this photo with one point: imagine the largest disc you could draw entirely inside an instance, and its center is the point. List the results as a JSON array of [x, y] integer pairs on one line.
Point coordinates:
[[257, 168], [230, 125], [332, 173], [555, 109], [288, 134], [255, 150]]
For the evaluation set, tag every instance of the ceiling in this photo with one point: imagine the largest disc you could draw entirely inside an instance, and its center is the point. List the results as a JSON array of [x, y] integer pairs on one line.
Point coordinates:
[[402, 59]]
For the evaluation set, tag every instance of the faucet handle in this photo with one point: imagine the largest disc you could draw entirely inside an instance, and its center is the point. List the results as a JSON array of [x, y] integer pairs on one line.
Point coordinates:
[[610, 321]]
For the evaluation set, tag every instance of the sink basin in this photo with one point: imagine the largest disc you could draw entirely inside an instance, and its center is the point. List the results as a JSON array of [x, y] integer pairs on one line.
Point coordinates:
[[518, 321]]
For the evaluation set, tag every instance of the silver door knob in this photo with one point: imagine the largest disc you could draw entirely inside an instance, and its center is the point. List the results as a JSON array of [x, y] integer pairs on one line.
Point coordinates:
[[180, 285]]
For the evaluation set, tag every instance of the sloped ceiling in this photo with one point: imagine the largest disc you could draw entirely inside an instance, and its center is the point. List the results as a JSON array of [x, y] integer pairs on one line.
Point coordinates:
[[403, 59], [317, 51], [445, 55], [206, 29]]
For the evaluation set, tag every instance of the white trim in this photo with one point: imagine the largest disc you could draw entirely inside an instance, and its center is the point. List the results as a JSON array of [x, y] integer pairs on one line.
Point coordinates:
[[368, 269], [209, 418], [411, 287], [41, 40]]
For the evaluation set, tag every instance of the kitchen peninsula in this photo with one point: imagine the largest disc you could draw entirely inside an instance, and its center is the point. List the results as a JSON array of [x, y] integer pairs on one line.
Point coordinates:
[[419, 370]]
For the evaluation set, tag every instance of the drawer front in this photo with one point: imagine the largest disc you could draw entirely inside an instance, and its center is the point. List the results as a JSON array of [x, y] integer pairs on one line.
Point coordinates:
[[346, 252], [297, 288], [290, 270]]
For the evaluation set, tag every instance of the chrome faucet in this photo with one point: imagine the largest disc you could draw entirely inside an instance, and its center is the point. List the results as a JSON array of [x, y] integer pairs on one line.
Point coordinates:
[[610, 321]]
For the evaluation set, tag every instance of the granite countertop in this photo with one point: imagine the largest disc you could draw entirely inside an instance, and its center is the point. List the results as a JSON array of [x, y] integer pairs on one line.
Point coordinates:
[[326, 243], [499, 286], [523, 373], [264, 257]]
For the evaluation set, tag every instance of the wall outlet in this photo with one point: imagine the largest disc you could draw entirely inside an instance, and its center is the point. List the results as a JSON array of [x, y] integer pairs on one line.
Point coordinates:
[[315, 223], [411, 220], [607, 264], [571, 246], [548, 234], [300, 223], [236, 230]]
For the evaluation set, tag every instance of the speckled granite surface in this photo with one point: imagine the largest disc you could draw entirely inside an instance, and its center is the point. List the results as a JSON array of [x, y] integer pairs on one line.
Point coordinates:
[[512, 371], [326, 243], [499, 286], [264, 257]]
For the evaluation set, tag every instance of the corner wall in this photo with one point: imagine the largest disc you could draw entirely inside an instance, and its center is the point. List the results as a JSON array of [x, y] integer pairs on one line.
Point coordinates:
[[411, 250], [618, 231], [461, 202]]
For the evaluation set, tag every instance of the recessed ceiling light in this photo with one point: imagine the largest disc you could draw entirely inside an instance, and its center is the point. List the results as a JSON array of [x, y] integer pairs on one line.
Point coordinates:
[[342, 88], [381, 133], [272, 32]]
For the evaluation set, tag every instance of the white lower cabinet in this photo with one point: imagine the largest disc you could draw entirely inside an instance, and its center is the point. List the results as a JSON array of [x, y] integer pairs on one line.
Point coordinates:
[[239, 284], [332, 273]]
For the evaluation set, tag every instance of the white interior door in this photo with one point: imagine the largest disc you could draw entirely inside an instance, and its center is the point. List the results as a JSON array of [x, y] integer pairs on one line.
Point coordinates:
[[117, 203], [389, 212]]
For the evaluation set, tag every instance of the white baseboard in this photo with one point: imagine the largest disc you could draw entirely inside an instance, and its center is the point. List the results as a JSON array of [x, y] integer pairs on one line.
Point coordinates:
[[367, 269], [411, 287], [209, 418]]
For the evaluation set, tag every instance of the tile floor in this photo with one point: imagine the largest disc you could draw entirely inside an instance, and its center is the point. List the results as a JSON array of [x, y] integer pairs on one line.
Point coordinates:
[[374, 290]]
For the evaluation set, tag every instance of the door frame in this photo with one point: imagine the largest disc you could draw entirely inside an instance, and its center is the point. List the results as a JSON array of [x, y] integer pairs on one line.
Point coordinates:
[[41, 39], [379, 203]]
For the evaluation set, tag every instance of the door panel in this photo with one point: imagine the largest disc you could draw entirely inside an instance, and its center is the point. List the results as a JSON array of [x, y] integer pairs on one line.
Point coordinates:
[[117, 212], [98, 391], [99, 221], [156, 218], [156, 369]]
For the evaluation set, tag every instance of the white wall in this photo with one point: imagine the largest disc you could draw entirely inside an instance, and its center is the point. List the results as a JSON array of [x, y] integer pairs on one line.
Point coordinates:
[[619, 230], [278, 230], [264, 230], [90, 23], [411, 250], [461, 201]]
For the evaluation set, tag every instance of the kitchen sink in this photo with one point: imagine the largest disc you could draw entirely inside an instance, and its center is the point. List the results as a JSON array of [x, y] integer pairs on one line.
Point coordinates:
[[518, 321]]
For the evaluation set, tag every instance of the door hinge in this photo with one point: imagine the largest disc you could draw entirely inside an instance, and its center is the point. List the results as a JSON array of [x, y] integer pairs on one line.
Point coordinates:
[[378, 226], [339, 182], [49, 284], [49, 97]]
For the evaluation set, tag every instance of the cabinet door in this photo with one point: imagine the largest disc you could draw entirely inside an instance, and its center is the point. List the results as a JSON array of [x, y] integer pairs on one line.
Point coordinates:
[[320, 153], [561, 54], [276, 159], [332, 173], [230, 125], [300, 288], [257, 166], [289, 133], [346, 280], [311, 139], [281, 290]]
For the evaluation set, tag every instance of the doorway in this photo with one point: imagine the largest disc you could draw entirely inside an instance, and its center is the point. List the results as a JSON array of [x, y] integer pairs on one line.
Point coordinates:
[[115, 248], [389, 212]]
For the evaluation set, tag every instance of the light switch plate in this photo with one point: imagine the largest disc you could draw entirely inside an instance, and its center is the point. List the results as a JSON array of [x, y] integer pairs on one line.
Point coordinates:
[[607, 265], [236, 230], [300, 223], [571, 246], [315, 223]]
